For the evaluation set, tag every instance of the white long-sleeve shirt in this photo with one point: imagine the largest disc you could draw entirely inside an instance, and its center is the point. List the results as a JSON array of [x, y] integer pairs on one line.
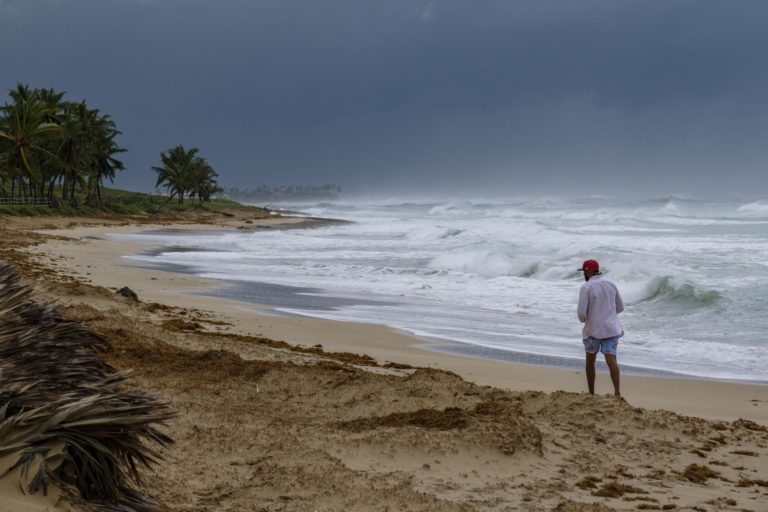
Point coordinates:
[[599, 307]]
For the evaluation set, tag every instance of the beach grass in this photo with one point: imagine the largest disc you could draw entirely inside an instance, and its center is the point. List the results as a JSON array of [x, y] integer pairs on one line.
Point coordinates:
[[121, 202]]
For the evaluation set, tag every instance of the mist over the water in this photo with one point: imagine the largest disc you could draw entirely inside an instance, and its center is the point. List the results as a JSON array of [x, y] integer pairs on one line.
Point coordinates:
[[501, 275]]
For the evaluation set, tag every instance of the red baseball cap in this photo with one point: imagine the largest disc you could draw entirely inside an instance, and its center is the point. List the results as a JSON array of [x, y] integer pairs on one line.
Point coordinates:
[[590, 265]]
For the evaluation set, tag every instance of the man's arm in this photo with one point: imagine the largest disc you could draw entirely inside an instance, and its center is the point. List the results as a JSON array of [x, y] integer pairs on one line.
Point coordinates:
[[619, 303], [581, 310]]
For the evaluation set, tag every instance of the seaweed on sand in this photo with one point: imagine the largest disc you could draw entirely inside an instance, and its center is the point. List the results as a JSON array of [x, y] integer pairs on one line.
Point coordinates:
[[447, 419], [698, 474], [616, 489], [65, 418]]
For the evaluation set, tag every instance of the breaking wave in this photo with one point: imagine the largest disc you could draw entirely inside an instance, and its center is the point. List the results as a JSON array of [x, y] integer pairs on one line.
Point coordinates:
[[482, 263], [756, 208], [669, 288]]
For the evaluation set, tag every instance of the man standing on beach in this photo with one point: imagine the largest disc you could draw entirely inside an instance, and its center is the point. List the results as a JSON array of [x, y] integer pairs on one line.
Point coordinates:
[[599, 307]]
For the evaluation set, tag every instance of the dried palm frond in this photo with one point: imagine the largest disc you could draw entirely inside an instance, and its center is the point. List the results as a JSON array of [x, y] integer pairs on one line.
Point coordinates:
[[64, 416]]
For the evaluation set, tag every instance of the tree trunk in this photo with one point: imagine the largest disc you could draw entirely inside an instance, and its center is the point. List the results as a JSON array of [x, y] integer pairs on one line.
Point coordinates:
[[166, 201]]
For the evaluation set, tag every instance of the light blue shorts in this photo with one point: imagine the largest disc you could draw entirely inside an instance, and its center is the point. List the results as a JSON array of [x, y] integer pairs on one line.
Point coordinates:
[[605, 345]]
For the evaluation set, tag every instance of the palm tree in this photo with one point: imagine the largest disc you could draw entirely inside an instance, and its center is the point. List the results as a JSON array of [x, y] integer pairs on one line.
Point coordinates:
[[183, 173], [102, 163], [71, 150], [176, 171], [103, 166], [87, 150], [203, 181], [45, 141], [26, 130]]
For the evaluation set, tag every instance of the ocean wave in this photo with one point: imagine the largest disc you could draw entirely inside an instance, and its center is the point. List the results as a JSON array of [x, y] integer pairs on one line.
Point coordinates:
[[424, 272], [757, 208], [531, 271], [670, 207], [484, 263], [452, 208], [450, 233], [436, 233], [674, 197], [671, 289], [479, 262]]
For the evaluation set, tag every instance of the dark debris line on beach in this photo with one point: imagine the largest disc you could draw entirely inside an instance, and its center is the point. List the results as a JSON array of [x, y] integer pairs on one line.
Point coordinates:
[[65, 417]]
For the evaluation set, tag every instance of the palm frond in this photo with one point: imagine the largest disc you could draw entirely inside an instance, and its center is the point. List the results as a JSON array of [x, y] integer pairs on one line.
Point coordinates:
[[65, 418]]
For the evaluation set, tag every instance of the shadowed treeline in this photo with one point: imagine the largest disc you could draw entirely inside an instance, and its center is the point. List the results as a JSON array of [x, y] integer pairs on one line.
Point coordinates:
[[47, 142], [59, 152]]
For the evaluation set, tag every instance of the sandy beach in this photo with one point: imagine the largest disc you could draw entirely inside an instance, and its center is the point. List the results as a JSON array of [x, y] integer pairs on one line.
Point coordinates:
[[293, 413]]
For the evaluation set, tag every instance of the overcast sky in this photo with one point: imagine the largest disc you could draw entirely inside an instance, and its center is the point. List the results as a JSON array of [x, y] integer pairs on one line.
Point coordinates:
[[482, 97]]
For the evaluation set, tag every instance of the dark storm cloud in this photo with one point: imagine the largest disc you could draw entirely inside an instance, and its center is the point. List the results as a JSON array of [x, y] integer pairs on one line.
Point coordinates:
[[491, 95]]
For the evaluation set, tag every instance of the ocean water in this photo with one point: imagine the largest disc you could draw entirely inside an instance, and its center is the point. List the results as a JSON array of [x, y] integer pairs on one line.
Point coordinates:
[[502, 275]]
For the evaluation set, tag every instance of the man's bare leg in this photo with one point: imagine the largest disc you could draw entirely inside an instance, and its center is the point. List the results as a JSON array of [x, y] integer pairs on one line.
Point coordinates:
[[590, 367], [613, 367]]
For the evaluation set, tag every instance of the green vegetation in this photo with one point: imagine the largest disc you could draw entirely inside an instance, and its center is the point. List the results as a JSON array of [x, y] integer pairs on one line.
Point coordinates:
[[183, 173], [55, 156], [122, 201], [118, 201], [50, 149]]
